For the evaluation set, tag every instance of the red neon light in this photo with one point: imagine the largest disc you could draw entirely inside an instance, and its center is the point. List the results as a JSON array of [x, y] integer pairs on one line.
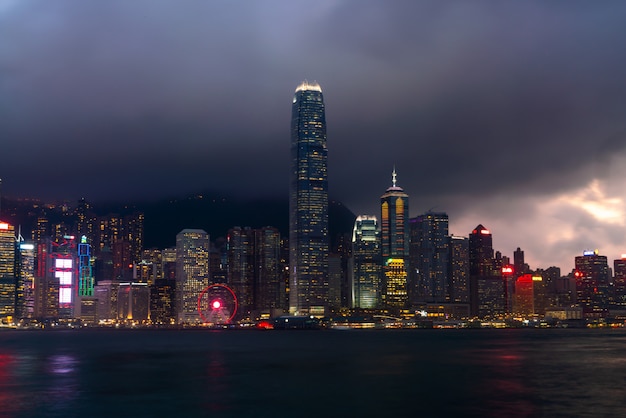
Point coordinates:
[[507, 269], [216, 304]]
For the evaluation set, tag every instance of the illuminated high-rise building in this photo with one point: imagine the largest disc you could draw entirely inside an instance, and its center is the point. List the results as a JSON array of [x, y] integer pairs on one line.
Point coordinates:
[[619, 283], [87, 305], [151, 266], [523, 302], [7, 270], [429, 278], [106, 293], [168, 259], [459, 269], [529, 296], [132, 230], [335, 276], [63, 258], [308, 203], [395, 245], [487, 290], [85, 268], [163, 301], [123, 264], [269, 287], [366, 263], [56, 280], [254, 270], [133, 302], [592, 283], [25, 283], [192, 272], [241, 267], [519, 266], [121, 235]]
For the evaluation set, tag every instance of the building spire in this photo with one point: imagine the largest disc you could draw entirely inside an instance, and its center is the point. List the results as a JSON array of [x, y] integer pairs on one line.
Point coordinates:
[[394, 177]]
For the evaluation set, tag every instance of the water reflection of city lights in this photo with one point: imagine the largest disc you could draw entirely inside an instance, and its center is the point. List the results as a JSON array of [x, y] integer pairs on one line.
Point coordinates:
[[9, 404], [62, 364]]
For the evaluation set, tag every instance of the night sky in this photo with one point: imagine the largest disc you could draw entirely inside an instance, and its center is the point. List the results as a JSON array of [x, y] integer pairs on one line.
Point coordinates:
[[509, 114]]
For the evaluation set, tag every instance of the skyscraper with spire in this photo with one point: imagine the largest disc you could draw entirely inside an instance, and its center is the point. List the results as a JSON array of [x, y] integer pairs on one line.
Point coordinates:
[[395, 244], [308, 203]]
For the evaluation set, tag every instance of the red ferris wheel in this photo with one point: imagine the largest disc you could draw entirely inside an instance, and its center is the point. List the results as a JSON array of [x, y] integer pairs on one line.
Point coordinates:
[[217, 304]]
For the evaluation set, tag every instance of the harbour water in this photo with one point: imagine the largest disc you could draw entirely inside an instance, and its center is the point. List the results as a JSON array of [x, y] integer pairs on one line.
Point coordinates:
[[354, 373]]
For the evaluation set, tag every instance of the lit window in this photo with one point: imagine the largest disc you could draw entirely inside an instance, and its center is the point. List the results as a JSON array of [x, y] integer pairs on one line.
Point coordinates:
[[65, 295], [63, 263], [65, 277]]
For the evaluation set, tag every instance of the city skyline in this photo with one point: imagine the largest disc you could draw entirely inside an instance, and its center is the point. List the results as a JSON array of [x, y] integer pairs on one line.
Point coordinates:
[[507, 116]]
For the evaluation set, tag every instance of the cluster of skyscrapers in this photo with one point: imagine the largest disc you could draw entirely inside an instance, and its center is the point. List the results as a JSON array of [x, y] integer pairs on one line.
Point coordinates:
[[95, 268], [402, 265]]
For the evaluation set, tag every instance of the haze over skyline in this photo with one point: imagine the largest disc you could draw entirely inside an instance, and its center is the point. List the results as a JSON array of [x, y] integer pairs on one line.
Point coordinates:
[[510, 115]]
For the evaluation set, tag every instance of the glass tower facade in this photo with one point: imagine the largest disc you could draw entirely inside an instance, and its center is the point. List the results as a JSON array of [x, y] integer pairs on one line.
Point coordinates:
[[308, 203], [270, 285], [487, 290], [25, 272], [366, 266], [395, 244], [241, 267], [429, 252], [459, 269]]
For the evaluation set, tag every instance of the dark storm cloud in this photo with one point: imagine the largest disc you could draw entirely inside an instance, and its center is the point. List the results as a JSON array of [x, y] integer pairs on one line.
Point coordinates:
[[509, 102], [495, 99]]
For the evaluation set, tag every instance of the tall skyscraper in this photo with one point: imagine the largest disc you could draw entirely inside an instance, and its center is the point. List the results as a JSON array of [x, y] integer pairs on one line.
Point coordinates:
[[520, 266], [308, 203], [429, 258], [592, 283], [241, 267], [487, 290], [529, 297], [56, 280], [25, 272], [459, 269], [254, 270], [85, 270], [269, 286], [192, 272], [394, 205], [619, 283], [7, 270], [366, 263]]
